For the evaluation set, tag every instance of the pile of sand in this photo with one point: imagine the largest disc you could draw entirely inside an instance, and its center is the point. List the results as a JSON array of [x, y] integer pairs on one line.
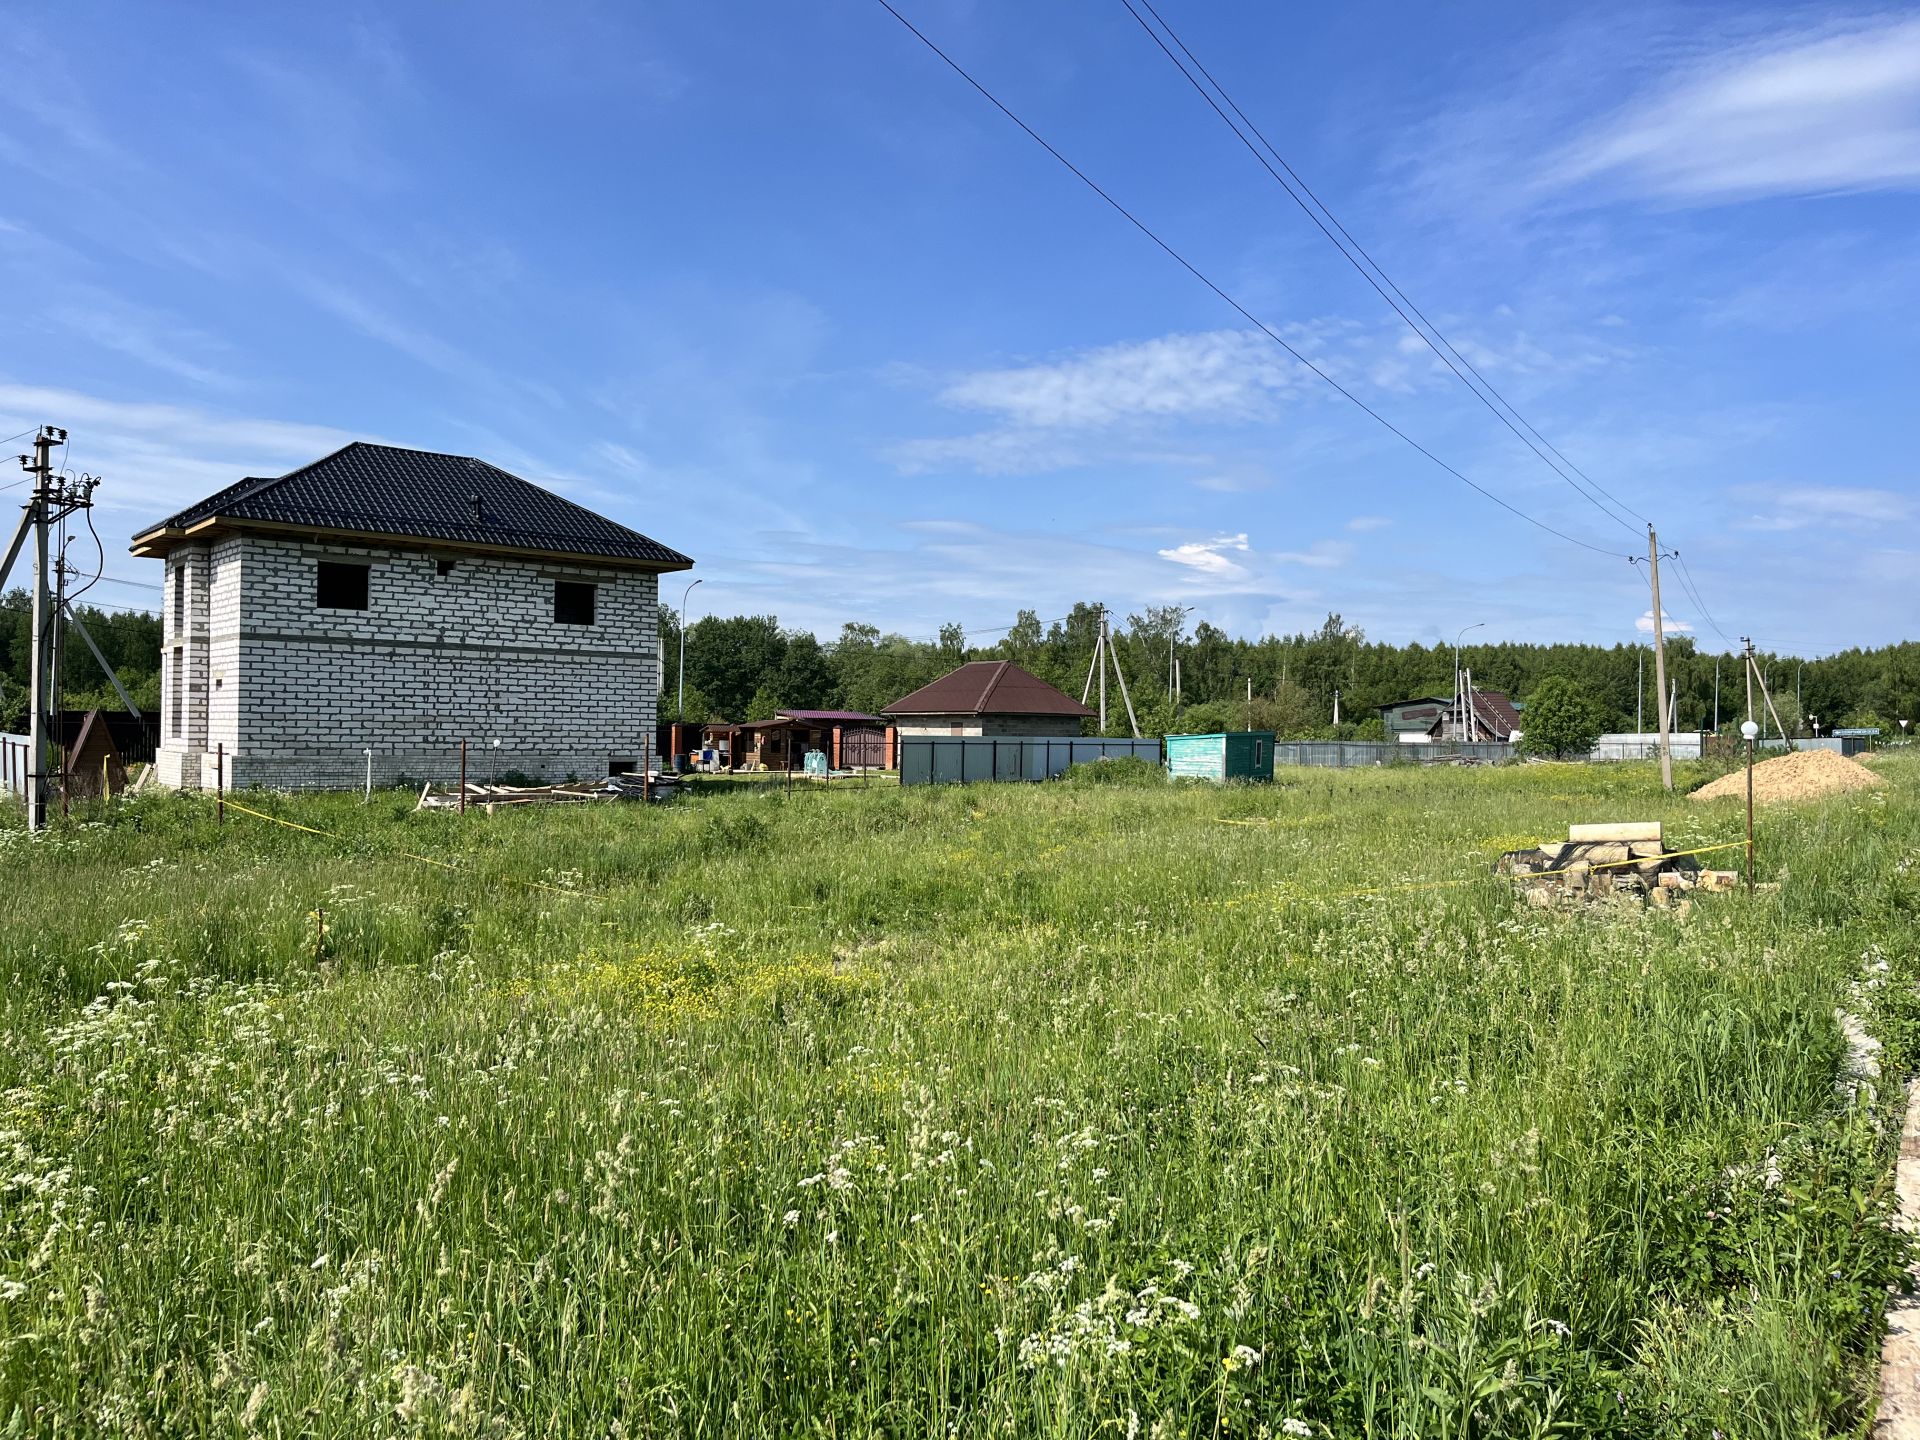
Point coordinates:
[[1802, 775]]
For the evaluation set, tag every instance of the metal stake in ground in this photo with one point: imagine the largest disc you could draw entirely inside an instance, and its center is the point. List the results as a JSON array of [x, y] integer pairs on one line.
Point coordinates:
[[1749, 729], [219, 782], [463, 777]]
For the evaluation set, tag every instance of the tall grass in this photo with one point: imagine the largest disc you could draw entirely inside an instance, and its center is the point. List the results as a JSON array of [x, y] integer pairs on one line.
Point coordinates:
[[1063, 1110]]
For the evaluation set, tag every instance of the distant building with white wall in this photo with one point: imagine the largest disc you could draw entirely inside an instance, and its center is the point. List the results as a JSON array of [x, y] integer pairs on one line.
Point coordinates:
[[402, 601]]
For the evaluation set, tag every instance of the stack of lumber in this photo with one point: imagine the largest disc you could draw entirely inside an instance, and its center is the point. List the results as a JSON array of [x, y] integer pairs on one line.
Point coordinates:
[[1628, 859], [575, 792]]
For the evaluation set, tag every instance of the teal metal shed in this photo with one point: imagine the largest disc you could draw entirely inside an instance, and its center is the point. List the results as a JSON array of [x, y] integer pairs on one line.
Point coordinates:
[[1230, 755]]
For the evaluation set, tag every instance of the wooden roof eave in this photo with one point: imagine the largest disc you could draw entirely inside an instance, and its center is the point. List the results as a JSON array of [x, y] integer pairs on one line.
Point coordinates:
[[156, 542]]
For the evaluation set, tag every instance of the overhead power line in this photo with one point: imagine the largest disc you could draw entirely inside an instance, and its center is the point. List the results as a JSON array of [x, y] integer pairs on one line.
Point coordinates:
[[1245, 313], [1693, 589], [1351, 249]]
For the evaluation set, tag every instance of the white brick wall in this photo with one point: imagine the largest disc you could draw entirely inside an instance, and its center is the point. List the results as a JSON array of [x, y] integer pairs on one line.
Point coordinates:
[[297, 693]]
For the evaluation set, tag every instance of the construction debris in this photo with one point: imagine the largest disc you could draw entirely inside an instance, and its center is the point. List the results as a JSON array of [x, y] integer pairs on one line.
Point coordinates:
[[1803, 775], [656, 786], [1600, 862]]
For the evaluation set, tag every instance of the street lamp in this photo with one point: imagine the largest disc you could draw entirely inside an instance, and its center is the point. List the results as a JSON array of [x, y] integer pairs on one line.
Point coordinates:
[[1814, 720], [683, 646], [1173, 651], [1478, 624]]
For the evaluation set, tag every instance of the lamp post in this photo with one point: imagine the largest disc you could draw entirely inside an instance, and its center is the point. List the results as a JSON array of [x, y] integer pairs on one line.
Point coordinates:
[[1173, 651], [683, 646], [1749, 730], [1478, 624], [1814, 720]]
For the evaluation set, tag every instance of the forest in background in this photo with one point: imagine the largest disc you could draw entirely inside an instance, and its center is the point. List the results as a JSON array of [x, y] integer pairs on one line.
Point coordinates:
[[745, 667], [130, 639]]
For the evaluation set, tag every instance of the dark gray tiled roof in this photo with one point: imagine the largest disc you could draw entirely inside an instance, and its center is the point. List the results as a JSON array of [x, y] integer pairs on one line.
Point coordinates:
[[387, 490]]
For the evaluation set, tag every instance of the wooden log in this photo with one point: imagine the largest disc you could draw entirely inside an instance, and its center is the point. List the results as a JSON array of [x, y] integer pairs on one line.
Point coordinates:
[[1628, 830]]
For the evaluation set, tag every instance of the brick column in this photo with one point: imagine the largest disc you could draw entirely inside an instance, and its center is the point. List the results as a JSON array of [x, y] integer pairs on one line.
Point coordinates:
[[891, 733], [833, 759]]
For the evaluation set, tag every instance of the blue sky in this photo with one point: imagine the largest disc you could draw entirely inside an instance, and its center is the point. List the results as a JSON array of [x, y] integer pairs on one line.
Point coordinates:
[[772, 284]]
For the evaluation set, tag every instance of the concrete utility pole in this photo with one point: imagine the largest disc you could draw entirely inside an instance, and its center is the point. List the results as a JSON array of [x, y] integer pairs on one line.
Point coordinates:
[[1459, 700], [1100, 651], [51, 501], [1660, 662], [1716, 694]]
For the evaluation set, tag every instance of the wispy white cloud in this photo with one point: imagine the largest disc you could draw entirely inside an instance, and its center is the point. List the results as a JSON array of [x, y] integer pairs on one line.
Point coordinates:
[[1838, 507], [1796, 114], [161, 341], [1210, 557], [1672, 624], [989, 452], [1360, 524], [1218, 373]]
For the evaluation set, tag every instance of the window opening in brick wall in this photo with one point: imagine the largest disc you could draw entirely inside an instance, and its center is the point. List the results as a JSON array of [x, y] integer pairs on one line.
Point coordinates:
[[445, 568], [179, 678], [622, 767], [179, 597], [572, 602], [340, 587]]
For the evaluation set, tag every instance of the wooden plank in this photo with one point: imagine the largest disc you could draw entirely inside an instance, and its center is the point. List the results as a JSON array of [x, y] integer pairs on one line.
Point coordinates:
[[1628, 830]]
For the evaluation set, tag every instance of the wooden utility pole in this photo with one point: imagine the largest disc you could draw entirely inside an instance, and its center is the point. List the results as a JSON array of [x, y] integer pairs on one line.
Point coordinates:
[[1660, 662]]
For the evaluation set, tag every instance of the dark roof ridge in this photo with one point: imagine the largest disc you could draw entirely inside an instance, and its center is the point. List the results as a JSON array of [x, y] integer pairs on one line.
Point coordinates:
[[993, 680]]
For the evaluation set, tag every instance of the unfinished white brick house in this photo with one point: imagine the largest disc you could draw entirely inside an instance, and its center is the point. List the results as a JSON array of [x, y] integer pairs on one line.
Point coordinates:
[[401, 601]]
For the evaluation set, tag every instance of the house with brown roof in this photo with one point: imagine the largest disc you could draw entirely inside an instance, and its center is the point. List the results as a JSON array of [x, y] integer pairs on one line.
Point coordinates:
[[987, 697]]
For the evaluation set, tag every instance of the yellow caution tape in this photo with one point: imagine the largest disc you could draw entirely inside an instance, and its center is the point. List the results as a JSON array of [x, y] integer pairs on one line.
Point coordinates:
[[233, 804], [1637, 860]]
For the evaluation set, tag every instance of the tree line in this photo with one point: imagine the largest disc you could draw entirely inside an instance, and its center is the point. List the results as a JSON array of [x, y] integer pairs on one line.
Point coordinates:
[[745, 667], [130, 639]]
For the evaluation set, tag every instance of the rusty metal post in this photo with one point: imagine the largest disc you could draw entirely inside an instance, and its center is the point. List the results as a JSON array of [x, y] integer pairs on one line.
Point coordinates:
[[1749, 818], [463, 777], [220, 783]]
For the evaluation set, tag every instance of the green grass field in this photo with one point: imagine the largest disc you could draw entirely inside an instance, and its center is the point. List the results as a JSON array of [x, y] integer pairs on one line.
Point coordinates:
[[1065, 1110]]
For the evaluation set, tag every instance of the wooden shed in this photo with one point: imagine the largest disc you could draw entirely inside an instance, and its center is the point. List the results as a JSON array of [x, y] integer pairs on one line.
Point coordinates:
[[94, 767], [1228, 755]]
